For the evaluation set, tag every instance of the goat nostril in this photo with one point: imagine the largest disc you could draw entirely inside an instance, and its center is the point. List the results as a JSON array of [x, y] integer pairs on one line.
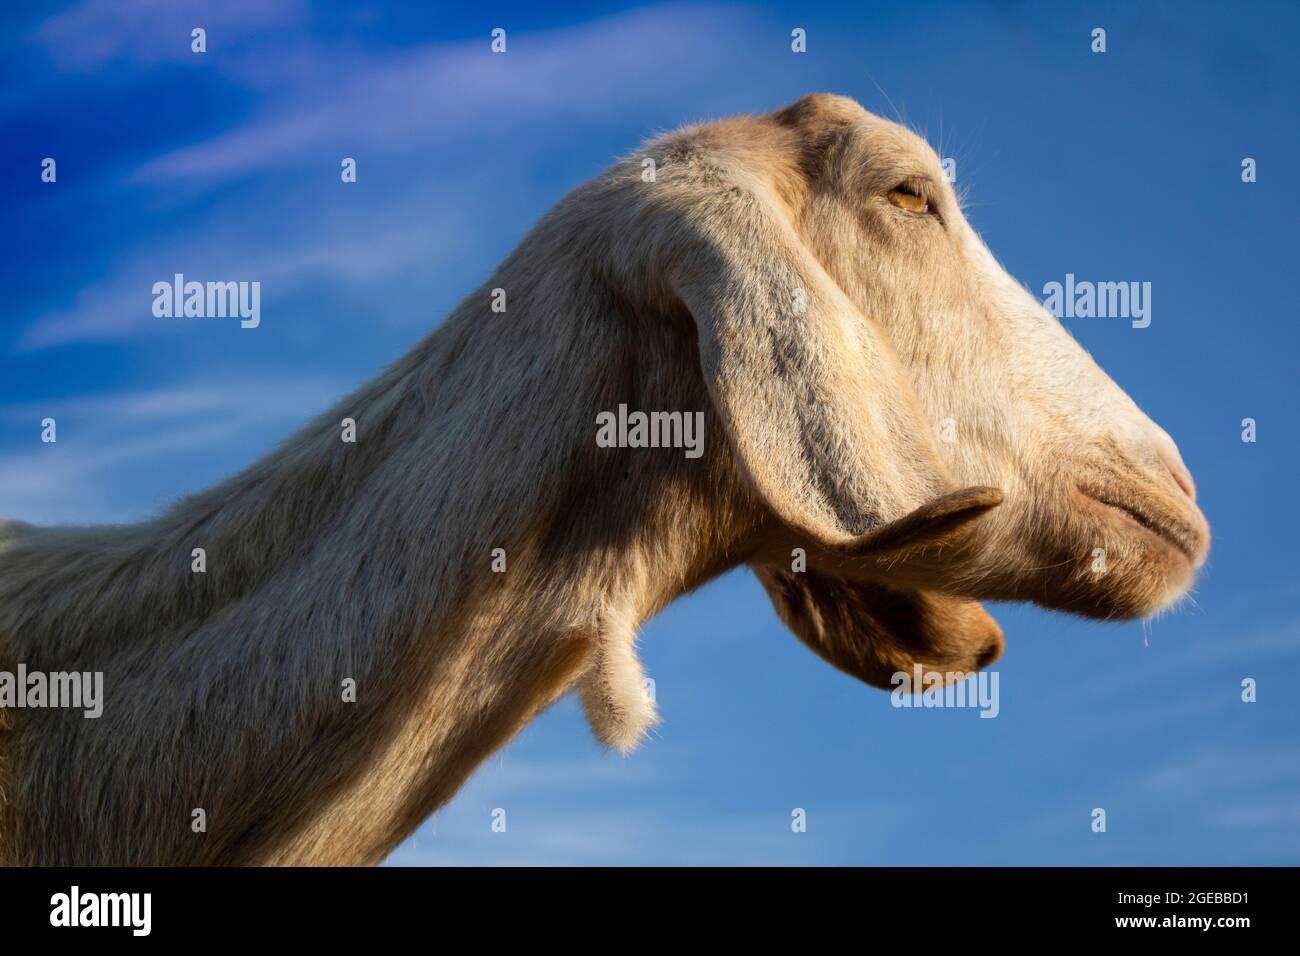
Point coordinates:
[[1168, 453]]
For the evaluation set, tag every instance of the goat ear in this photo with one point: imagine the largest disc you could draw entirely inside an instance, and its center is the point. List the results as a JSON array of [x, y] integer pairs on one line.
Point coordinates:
[[874, 632], [926, 548], [810, 392]]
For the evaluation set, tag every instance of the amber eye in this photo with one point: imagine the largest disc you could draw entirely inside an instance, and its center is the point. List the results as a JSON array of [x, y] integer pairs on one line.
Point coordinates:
[[905, 197]]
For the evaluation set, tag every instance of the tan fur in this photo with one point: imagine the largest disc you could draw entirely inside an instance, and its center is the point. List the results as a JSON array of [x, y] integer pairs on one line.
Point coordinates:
[[371, 561]]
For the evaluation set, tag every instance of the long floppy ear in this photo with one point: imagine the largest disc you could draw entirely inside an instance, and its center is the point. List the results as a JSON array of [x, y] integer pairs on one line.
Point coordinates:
[[809, 390], [875, 632]]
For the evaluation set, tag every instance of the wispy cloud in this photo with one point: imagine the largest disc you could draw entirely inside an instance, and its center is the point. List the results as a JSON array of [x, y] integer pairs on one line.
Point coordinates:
[[109, 443], [1246, 800], [605, 811], [286, 257], [431, 95], [421, 119], [90, 35]]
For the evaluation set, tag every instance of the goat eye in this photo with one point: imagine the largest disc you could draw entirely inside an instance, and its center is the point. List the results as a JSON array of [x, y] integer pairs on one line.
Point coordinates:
[[904, 197]]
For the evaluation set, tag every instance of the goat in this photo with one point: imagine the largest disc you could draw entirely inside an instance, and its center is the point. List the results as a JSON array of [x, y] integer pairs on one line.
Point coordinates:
[[805, 279]]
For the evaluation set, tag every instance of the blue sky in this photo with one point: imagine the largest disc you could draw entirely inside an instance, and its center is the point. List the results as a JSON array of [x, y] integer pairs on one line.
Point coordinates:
[[1118, 166]]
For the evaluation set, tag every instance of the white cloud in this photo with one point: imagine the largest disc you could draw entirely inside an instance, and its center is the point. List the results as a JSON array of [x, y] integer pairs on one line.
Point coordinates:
[[378, 245], [91, 34], [442, 92], [113, 448], [433, 114]]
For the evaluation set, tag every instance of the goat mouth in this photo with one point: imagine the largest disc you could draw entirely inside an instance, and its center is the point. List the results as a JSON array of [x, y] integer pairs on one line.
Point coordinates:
[[1168, 532]]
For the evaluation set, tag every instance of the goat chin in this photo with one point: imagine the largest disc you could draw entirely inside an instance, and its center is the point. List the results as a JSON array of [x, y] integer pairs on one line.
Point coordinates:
[[1114, 571], [1143, 556]]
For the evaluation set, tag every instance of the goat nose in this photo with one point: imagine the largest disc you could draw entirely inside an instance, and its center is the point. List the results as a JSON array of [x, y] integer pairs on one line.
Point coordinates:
[[1168, 453]]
